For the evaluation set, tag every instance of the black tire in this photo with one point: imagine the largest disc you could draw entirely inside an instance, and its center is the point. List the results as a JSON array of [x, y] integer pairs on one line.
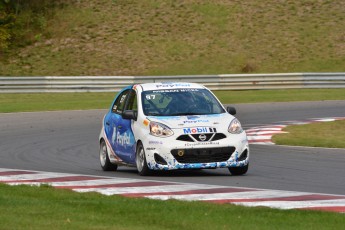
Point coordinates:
[[238, 170], [140, 160], [104, 158]]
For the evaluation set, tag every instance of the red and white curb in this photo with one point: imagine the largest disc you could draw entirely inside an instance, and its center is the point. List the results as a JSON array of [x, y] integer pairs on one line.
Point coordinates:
[[172, 190], [263, 134]]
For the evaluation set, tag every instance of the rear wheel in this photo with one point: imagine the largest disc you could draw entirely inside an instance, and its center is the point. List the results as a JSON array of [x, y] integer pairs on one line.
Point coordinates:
[[140, 160], [238, 170], [104, 158]]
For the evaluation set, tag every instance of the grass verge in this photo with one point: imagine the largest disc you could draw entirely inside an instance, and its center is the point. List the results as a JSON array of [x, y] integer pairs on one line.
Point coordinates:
[[25, 207], [157, 37], [75, 101], [321, 134], [54, 101]]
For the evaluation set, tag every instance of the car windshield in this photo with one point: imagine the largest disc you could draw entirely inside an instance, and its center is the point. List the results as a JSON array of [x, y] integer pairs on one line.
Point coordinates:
[[179, 102]]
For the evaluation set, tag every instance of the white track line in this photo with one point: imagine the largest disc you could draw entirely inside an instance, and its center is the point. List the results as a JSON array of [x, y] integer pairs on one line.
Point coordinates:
[[233, 195], [162, 190], [295, 204], [146, 189]]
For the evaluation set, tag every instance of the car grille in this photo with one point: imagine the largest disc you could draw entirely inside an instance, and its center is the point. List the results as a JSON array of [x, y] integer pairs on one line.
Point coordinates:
[[198, 137], [203, 155]]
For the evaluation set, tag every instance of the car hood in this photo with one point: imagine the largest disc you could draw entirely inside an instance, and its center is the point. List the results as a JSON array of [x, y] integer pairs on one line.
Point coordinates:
[[176, 122]]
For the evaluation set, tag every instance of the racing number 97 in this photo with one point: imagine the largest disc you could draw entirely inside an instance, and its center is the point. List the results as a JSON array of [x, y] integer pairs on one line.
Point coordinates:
[[150, 97]]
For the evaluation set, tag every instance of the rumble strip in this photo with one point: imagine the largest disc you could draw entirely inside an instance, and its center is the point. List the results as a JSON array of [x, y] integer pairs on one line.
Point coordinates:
[[173, 190], [263, 134]]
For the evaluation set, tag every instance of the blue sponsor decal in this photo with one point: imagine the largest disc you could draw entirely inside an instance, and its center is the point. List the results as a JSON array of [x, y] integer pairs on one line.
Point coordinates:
[[195, 121], [172, 85], [164, 117], [113, 137], [123, 139], [216, 115], [192, 117], [199, 130]]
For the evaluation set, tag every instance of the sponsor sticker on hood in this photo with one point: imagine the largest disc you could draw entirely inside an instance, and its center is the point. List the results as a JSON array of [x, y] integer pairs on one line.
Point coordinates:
[[193, 120], [199, 130]]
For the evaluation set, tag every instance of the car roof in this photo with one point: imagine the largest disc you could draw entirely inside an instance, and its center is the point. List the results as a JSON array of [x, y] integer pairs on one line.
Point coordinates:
[[170, 85]]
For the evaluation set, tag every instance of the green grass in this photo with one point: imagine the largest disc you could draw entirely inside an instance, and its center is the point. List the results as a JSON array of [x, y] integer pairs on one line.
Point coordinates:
[[156, 37], [153, 37], [321, 134], [25, 207], [75, 101], [54, 101], [283, 95]]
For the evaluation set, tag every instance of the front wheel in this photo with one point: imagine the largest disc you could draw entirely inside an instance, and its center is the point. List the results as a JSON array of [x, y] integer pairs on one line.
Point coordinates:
[[140, 160], [104, 158], [238, 170]]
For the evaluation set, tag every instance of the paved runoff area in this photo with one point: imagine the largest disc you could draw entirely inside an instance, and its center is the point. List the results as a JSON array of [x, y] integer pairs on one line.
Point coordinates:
[[161, 190]]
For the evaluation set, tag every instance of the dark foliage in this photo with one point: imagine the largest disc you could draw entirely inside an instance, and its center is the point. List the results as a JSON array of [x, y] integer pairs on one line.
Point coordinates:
[[23, 21]]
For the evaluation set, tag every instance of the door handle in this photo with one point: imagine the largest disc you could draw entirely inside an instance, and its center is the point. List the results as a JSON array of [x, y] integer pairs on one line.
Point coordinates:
[[119, 127]]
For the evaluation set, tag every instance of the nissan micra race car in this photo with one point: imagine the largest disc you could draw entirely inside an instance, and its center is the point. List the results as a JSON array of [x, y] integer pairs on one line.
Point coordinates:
[[170, 126]]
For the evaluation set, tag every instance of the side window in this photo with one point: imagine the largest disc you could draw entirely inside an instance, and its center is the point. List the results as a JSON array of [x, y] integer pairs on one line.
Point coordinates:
[[120, 102], [132, 102]]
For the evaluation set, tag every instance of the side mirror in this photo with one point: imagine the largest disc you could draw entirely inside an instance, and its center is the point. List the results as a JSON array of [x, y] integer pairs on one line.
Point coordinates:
[[130, 115], [231, 110]]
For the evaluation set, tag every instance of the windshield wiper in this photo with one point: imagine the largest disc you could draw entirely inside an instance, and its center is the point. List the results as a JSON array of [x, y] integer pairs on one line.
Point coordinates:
[[153, 114]]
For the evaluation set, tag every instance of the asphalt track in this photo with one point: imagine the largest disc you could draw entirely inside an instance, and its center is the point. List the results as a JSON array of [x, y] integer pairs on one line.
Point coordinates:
[[67, 141]]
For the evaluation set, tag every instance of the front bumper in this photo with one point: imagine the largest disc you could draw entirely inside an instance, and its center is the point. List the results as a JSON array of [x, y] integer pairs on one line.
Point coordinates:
[[171, 154]]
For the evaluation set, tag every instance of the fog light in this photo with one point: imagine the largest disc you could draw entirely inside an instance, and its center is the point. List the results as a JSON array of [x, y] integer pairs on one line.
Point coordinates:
[[180, 152]]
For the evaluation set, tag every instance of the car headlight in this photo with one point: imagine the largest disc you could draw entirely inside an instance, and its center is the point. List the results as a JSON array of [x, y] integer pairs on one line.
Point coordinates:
[[235, 127], [160, 130]]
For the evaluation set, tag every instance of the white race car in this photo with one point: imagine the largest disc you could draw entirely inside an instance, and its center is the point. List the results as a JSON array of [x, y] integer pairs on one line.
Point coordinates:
[[168, 126]]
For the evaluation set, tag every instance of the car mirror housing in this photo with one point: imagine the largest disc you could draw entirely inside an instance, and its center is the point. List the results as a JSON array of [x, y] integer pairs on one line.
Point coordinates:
[[231, 110], [130, 114]]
